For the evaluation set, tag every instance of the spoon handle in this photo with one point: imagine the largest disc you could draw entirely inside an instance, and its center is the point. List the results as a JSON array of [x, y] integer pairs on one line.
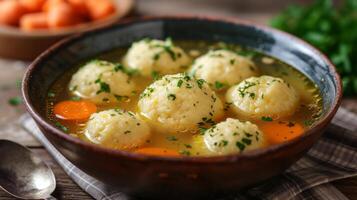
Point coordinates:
[[51, 198]]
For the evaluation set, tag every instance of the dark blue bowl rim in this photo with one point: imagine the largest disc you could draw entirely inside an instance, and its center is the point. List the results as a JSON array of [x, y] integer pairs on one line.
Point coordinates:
[[38, 62]]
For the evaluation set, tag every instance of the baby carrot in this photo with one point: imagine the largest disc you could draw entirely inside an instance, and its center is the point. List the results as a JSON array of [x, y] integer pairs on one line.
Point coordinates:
[[279, 132], [34, 21], [49, 4], [74, 110], [63, 15], [32, 5], [11, 12], [157, 151], [99, 9], [80, 6]]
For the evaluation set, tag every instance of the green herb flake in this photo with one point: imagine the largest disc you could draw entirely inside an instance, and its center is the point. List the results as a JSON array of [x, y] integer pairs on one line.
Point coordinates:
[[60, 126], [240, 146], [51, 94], [246, 141], [267, 119], [185, 153], [15, 101], [179, 83], [171, 138], [75, 98], [155, 75], [200, 82], [171, 97], [218, 85]]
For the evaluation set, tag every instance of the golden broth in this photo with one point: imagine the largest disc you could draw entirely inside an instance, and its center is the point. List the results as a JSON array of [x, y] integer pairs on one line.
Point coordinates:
[[188, 144]]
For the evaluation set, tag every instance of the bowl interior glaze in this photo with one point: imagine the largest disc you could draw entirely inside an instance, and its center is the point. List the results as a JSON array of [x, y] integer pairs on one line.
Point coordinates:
[[53, 63]]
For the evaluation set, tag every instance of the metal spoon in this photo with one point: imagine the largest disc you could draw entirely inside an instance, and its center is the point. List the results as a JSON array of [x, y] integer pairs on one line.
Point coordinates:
[[23, 174]]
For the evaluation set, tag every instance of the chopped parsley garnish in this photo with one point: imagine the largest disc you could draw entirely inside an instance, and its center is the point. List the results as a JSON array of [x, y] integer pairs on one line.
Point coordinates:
[[179, 83], [171, 97], [202, 130], [51, 94], [246, 141], [267, 119], [308, 122], [75, 98], [223, 143], [240, 146], [232, 61], [155, 75], [171, 138], [243, 90], [185, 153], [15, 101], [118, 67], [121, 98], [63, 128], [104, 87], [147, 92], [200, 82], [188, 146], [218, 85]]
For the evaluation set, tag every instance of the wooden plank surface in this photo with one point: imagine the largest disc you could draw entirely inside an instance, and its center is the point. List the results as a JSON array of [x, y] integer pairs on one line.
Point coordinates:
[[11, 71]]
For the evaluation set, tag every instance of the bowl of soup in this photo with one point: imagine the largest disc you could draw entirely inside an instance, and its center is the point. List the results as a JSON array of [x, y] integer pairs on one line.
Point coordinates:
[[182, 106]]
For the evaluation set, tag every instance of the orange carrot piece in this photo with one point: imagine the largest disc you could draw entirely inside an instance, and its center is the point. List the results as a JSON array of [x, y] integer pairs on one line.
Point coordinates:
[[99, 9], [74, 110], [279, 132], [63, 15], [34, 21], [157, 151], [80, 6], [32, 5], [11, 12], [49, 4]]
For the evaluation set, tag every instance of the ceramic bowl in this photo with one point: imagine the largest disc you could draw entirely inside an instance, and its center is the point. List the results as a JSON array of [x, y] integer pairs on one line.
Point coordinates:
[[17, 44], [180, 177]]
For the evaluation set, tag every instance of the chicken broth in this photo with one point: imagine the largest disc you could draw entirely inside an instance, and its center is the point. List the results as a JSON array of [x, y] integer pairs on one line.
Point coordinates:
[[192, 142]]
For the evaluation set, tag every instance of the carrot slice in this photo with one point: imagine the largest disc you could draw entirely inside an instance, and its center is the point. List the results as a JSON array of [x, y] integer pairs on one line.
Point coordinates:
[[11, 12], [74, 110], [50, 4], [63, 15], [34, 21], [279, 132], [32, 5], [80, 6], [157, 151], [99, 9]]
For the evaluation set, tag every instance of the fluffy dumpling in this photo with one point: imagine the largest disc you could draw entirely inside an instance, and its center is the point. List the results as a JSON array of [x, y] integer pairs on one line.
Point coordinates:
[[233, 136], [223, 68], [101, 82], [180, 103], [117, 129], [149, 55], [263, 96]]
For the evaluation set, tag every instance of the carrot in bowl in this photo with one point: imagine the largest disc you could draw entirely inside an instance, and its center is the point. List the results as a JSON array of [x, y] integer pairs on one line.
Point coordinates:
[[100, 9], [34, 21], [11, 12], [279, 132], [49, 4], [63, 15], [80, 6], [157, 151], [74, 110], [32, 5]]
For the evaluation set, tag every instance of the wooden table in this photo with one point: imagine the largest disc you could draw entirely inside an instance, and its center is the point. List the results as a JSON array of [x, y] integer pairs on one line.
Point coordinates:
[[11, 72]]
